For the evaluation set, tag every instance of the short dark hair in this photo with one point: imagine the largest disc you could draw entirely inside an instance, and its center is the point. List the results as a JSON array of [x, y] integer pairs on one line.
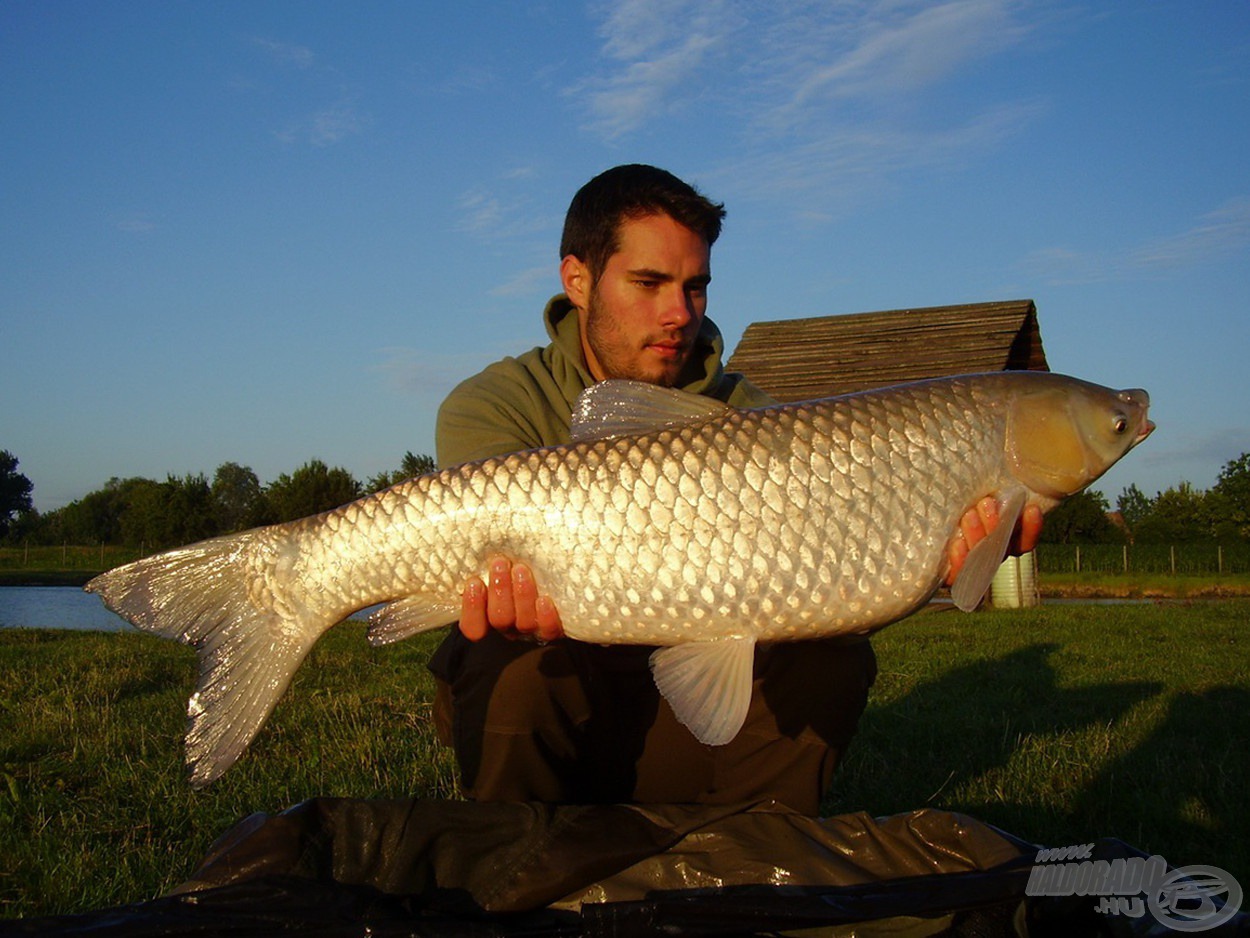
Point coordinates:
[[592, 225]]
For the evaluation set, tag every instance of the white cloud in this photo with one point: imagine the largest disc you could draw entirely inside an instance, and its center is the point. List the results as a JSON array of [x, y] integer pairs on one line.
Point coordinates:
[[325, 127], [489, 217], [540, 278], [836, 167], [658, 50], [1213, 237], [286, 53], [429, 374], [138, 223], [1193, 457], [1216, 235], [825, 100], [332, 124], [889, 48]]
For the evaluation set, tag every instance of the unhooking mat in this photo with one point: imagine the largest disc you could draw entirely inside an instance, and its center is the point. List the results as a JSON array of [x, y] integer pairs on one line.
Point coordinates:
[[350, 867]]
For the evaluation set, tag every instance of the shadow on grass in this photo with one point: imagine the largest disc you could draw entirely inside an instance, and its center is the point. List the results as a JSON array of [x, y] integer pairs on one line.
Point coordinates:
[[1182, 792], [1000, 740]]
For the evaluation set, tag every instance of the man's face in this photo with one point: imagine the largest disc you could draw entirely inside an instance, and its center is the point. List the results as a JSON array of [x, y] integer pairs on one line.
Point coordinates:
[[640, 320]]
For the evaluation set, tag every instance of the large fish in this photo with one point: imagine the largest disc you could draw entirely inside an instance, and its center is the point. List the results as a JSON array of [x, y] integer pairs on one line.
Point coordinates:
[[670, 520]]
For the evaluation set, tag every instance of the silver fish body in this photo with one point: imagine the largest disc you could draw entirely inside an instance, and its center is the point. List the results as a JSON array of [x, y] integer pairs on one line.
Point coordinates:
[[672, 521]]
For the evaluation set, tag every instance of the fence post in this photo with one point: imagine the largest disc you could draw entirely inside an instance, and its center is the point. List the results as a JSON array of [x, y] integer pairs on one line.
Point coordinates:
[[1219, 559], [1078, 558], [1126, 558], [1172, 555]]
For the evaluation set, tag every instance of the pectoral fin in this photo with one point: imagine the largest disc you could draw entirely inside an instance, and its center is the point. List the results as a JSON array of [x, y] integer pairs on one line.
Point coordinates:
[[708, 685], [410, 616], [985, 558]]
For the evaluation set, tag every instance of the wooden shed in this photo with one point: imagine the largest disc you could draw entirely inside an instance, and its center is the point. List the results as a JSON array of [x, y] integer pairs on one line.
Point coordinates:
[[799, 359]]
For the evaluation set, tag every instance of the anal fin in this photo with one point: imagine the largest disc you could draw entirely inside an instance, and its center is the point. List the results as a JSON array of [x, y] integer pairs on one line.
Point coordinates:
[[410, 616]]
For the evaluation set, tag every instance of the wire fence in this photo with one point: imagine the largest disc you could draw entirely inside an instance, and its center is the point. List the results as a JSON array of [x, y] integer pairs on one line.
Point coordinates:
[[68, 557], [1189, 559]]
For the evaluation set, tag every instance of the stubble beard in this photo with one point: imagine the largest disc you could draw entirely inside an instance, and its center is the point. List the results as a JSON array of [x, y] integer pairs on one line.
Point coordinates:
[[618, 355]]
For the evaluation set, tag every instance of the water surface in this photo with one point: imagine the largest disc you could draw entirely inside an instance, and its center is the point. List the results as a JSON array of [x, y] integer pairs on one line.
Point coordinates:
[[57, 607], [66, 607]]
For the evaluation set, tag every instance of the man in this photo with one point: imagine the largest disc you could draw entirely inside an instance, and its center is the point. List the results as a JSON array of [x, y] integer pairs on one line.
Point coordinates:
[[572, 722]]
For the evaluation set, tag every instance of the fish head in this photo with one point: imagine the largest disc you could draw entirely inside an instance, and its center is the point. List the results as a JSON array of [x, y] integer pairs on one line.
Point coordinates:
[[1063, 433]]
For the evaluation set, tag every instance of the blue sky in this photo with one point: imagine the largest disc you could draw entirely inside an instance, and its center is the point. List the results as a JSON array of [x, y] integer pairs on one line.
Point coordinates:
[[272, 232]]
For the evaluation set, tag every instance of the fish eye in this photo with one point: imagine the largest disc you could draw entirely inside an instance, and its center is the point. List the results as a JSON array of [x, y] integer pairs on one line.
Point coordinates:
[[1120, 424]]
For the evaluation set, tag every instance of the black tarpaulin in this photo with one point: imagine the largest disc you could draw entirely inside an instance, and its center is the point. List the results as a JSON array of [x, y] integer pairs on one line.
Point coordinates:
[[353, 867]]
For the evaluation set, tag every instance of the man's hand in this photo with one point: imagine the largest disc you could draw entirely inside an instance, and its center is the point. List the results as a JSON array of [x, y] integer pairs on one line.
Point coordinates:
[[510, 604], [980, 521]]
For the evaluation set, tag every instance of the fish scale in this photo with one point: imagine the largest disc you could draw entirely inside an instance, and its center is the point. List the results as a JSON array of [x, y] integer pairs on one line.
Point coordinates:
[[672, 521]]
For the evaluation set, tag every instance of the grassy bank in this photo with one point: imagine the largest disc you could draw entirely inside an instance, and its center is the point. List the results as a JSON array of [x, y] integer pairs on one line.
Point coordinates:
[[63, 565], [1059, 724], [45, 577], [1143, 585], [1065, 724], [94, 806]]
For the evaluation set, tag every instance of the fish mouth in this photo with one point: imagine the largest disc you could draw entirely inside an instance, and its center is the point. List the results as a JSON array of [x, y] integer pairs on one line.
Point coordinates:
[[1140, 400]]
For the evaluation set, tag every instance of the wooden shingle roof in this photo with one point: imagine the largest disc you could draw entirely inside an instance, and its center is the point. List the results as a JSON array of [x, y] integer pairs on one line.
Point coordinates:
[[800, 359]]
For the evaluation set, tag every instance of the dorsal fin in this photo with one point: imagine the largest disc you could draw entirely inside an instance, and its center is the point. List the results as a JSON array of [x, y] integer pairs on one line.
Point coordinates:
[[619, 408]]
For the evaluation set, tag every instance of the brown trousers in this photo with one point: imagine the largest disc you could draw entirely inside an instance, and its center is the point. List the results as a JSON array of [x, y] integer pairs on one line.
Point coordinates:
[[571, 722]]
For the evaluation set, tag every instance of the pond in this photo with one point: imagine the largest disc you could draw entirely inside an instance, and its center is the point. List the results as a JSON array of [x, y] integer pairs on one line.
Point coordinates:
[[57, 607], [66, 607], [69, 607]]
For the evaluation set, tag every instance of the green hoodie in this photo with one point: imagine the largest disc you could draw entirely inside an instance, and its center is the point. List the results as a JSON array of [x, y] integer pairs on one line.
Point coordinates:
[[526, 402]]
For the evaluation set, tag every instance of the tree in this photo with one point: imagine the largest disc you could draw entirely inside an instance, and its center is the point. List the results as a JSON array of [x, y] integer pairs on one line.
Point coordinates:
[[311, 489], [189, 511], [15, 491], [1230, 498], [237, 496], [1177, 515], [1081, 519], [96, 518], [141, 515], [411, 467], [1133, 506]]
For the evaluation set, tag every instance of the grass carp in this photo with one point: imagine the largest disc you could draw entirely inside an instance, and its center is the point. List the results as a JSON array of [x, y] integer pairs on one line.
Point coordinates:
[[670, 520]]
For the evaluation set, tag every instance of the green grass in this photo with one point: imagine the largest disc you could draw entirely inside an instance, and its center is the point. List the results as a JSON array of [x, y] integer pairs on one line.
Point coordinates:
[[94, 806], [1137, 585], [19, 562], [1061, 725], [1065, 724]]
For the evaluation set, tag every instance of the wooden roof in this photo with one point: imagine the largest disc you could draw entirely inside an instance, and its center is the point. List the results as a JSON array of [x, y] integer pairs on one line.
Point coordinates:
[[800, 359]]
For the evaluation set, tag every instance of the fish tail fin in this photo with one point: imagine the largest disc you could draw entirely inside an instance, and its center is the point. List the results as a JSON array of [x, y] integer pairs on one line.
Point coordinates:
[[218, 596]]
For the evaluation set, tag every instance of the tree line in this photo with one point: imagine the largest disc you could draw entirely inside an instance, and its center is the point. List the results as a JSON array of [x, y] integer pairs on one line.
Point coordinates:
[[1178, 515], [145, 513]]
